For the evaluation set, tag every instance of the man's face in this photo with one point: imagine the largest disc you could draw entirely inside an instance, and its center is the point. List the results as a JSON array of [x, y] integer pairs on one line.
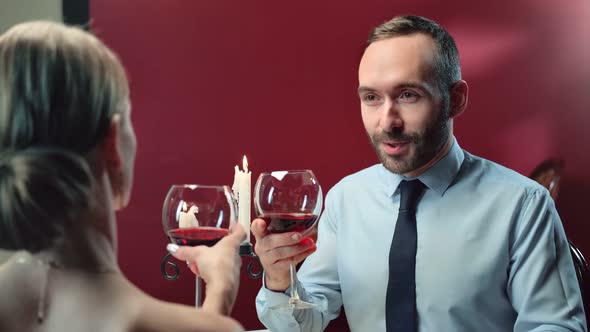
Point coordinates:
[[403, 111]]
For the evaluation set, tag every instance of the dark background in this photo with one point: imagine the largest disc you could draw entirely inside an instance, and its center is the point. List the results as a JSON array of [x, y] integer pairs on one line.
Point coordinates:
[[276, 81]]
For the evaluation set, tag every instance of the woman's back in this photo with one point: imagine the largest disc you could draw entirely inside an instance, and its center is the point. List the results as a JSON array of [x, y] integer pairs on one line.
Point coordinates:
[[41, 297]]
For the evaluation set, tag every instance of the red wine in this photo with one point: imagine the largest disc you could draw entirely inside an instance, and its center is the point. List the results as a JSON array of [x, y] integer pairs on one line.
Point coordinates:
[[288, 222], [197, 236]]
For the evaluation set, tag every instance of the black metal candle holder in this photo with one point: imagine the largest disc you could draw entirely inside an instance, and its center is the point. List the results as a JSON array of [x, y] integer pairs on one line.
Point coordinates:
[[246, 250], [254, 268]]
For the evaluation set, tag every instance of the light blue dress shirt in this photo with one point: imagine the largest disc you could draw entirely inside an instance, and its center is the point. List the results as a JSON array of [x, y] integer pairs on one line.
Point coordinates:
[[492, 254]]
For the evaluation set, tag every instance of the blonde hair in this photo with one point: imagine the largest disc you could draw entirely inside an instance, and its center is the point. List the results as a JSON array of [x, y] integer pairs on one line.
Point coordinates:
[[59, 86]]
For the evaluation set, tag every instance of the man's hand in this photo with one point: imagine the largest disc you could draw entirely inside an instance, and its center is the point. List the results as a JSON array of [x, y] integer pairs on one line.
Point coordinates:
[[277, 252]]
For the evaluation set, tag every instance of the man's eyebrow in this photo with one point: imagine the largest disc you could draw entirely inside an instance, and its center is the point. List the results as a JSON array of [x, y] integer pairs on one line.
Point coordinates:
[[406, 85], [412, 85], [420, 85], [363, 89]]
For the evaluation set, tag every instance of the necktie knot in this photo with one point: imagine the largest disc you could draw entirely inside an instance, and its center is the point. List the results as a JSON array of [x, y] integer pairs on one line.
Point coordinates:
[[410, 193]]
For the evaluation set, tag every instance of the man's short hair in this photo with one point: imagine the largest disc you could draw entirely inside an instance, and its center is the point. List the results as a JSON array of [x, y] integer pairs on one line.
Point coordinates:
[[447, 67]]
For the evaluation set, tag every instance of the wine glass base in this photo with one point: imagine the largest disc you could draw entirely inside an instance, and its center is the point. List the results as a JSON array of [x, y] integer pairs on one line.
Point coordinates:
[[295, 304]]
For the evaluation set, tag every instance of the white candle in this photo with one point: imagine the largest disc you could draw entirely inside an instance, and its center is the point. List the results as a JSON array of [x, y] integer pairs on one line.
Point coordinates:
[[242, 190]]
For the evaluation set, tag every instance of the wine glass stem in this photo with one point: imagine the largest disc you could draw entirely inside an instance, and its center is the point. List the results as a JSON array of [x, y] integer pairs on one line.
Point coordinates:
[[198, 292], [294, 293]]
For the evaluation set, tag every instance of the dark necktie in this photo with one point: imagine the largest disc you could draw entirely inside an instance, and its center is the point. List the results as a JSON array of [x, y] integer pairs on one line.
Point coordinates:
[[400, 303]]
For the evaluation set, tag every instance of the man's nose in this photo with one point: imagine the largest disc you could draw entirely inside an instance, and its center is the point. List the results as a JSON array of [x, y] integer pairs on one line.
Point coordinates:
[[390, 117]]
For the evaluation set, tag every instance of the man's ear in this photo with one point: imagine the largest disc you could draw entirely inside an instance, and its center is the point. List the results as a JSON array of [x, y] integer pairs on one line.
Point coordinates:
[[458, 100], [110, 151]]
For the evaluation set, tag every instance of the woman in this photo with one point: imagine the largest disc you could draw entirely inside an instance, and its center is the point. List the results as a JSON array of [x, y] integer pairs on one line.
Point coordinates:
[[67, 151]]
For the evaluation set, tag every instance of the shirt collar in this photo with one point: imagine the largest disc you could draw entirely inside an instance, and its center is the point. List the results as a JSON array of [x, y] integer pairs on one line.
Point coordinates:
[[437, 178]]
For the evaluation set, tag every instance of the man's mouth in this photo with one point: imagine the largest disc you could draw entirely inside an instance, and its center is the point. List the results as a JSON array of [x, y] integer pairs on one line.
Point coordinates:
[[396, 143], [395, 148]]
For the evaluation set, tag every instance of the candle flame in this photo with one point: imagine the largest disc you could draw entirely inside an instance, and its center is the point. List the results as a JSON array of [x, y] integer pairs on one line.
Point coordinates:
[[245, 164]]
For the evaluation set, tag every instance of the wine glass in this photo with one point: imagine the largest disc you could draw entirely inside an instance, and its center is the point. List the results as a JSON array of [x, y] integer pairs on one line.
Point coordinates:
[[194, 215], [289, 201]]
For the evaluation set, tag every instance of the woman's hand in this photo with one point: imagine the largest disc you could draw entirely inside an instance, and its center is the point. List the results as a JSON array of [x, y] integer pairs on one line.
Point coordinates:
[[218, 266]]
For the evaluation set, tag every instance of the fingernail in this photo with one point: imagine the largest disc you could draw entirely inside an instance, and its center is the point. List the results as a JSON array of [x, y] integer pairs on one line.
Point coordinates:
[[296, 236], [172, 248], [307, 242]]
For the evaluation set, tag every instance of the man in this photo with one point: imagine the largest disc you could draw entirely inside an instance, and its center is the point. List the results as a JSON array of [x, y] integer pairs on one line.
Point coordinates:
[[478, 248]]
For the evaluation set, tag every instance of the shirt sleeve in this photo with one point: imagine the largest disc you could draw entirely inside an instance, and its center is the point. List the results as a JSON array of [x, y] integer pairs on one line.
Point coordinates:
[[542, 284], [318, 283]]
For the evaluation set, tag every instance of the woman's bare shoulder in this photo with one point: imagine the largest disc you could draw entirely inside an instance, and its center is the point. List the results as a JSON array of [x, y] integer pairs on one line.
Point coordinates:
[[18, 278]]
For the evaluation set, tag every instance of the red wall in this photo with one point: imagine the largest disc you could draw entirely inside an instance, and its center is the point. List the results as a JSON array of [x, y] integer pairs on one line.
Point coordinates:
[[213, 80]]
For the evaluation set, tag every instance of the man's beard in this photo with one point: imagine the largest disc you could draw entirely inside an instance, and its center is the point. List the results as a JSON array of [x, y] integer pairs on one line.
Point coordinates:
[[427, 145]]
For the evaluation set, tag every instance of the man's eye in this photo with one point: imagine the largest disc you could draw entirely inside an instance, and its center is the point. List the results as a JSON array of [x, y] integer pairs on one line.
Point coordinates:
[[408, 96], [370, 98]]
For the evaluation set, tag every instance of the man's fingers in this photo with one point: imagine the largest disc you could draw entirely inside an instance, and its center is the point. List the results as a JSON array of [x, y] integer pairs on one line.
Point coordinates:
[[274, 241], [258, 228], [286, 262], [300, 257], [289, 252]]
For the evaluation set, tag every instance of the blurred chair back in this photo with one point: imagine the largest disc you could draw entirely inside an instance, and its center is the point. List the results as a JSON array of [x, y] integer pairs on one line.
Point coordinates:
[[548, 174], [583, 274]]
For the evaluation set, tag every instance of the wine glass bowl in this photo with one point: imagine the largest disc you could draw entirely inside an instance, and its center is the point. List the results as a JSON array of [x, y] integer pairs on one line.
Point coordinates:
[[289, 201], [198, 215]]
